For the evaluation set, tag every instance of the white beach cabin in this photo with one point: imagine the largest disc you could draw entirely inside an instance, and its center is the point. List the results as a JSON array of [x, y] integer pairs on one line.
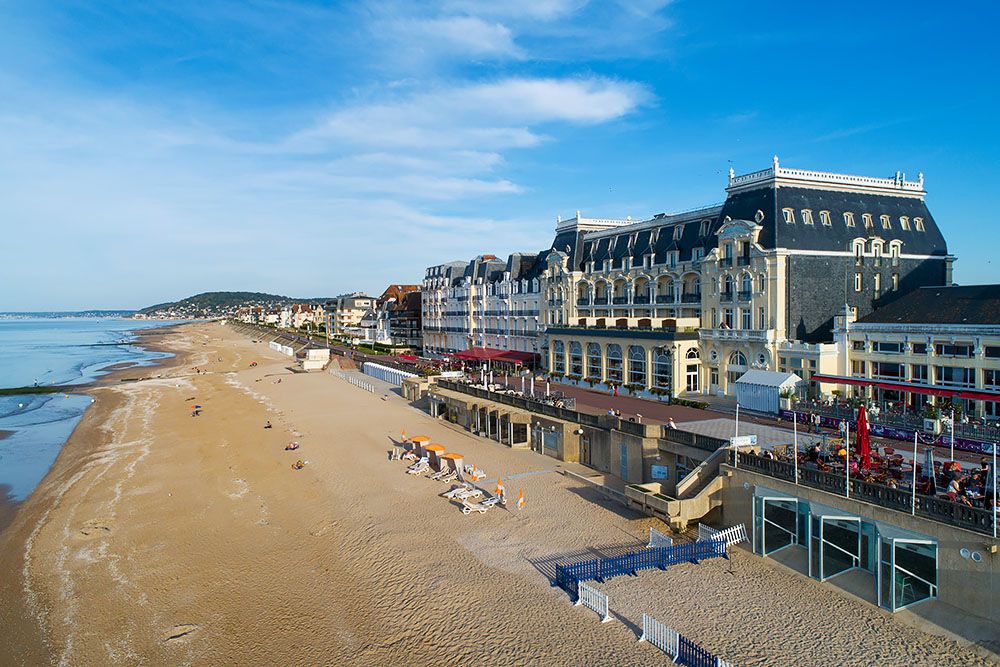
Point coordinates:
[[760, 390]]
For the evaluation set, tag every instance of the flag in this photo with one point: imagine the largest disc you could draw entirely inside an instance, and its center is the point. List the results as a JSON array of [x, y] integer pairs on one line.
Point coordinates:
[[500, 489], [520, 500]]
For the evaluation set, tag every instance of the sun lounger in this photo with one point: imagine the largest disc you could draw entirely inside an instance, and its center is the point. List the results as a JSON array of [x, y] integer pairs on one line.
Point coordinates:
[[455, 491], [395, 454], [449, 476], [495, 500], [469, 508], [422, 462], [439, 474], [409, 456], [468, 494], [418, 471]]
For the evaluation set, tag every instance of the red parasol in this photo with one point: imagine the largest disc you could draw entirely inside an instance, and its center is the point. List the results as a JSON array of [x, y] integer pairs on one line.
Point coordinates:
[[864, 440]]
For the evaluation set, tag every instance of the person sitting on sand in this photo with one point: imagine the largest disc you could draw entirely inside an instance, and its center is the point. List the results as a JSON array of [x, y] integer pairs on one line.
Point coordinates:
[[299, 465], [268, 424], [291, 447]]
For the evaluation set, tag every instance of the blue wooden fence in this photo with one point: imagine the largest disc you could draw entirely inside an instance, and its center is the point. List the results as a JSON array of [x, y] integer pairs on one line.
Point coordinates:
[[689, 653], [599, 569]]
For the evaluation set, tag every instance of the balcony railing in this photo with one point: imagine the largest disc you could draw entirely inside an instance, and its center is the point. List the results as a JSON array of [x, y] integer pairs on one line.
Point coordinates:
[[583, 301], [619, 300], [742, 261], [641, 298], [930, 507], [744, 295], [691, 297], [725, 262], [601, 301], [726, 296], [756, 335], [665, 298]]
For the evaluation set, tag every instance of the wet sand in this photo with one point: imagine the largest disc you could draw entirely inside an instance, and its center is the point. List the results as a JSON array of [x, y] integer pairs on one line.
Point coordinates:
[[164, 539]]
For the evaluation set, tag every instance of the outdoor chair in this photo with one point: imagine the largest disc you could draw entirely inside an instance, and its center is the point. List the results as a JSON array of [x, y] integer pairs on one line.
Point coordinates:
[[449, 476], [456, 491], [469, 494], [469, 508]]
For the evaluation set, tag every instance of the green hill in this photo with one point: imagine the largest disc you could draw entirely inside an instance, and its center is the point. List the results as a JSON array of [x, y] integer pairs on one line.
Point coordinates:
[[217, 302]]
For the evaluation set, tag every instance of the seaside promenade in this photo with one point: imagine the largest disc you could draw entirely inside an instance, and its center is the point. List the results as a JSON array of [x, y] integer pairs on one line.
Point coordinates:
[[165, 539]]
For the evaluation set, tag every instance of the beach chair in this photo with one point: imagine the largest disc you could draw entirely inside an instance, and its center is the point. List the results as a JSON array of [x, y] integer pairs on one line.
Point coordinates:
[[469, 494], [448, 476], [469, 508], [409, 456], [395, 454], [422, 462], [501, 500], [456, 491], [420, 470], [438, 474]]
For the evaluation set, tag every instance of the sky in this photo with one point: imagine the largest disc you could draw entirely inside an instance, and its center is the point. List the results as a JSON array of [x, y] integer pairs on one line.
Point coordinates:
[[151, 151]]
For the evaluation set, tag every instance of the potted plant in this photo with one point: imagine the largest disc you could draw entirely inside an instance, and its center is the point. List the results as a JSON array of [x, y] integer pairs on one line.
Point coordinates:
[[591, 381], [787, 399]]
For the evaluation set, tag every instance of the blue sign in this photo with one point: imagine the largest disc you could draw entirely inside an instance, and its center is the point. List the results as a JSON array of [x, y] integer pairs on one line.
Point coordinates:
[[660, 472]]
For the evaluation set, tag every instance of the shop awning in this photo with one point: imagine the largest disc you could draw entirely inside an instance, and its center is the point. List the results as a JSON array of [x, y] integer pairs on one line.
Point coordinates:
[[517, 357], [478, 354], [911, 387]]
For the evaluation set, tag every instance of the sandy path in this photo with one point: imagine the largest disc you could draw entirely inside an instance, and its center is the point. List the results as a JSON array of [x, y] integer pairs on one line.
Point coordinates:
[[163, 539]]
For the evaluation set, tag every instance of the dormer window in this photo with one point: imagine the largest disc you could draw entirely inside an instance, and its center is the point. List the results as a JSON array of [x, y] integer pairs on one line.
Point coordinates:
[[918, 223], [678, 232], [904, 223], [867, 217], [849, 219], [705, 225], [789, 214], [824, 217], [807, 216], [886, 222]]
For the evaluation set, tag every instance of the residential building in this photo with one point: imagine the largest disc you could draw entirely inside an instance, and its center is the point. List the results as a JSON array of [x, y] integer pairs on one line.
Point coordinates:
[[345, 313], [405, 320]]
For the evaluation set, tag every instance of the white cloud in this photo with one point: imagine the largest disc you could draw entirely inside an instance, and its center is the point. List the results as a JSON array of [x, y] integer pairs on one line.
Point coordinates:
[[465, 35], [483, 116]]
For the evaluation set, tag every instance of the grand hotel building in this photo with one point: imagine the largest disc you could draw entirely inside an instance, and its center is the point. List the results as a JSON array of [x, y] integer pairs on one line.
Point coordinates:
[[688, 302]]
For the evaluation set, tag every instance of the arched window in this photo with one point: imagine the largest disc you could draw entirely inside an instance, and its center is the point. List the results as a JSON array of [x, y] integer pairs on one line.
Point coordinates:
[[594, 361], [637, 365], [614, 363], [727, 287], [747, 285], [575, 359], [558, 357], [761, 283], [663, 368], [737, 359], [692, 353]]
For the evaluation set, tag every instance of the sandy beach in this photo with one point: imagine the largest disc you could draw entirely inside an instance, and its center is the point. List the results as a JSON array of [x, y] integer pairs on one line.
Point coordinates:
[[159, 538]]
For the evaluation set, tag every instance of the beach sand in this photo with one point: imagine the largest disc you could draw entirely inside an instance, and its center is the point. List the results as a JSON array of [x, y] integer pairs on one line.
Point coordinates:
[[164, 539]]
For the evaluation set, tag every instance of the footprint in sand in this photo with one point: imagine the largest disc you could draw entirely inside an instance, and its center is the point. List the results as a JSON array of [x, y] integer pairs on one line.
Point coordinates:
[[182, 631], [95, 527], [323, 529]]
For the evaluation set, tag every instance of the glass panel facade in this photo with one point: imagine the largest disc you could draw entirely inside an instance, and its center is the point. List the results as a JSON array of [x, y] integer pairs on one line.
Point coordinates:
[[614, 363]]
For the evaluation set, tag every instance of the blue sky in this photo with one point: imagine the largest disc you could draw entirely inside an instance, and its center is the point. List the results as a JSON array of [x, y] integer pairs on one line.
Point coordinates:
[[149, 151]]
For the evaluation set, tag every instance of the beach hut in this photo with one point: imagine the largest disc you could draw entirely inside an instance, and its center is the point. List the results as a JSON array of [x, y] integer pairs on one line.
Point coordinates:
[[433, 452], [454, 461], [760, 390], [418, 444]]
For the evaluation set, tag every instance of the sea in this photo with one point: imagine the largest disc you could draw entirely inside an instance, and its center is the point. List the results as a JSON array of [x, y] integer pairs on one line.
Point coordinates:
[[54, 351]]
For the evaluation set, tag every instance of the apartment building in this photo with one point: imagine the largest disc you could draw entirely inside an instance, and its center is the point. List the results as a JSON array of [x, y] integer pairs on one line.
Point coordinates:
[[344, 314]]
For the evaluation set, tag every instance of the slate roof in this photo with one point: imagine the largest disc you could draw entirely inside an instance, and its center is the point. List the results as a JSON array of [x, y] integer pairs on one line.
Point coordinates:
[[966, 304]]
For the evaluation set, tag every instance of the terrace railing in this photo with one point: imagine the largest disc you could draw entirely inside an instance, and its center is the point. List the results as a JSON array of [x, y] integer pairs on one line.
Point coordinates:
[[929, 507]]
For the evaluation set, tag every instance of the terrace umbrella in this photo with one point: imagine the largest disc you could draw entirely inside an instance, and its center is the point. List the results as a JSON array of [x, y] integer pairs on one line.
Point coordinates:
[[864, 440], [929, 470]]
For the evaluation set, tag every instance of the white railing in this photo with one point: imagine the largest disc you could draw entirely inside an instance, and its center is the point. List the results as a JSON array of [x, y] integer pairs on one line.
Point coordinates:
[[357, 382], [590, 597], [660, 636], [706, 533], [732, 535], [658, 539]]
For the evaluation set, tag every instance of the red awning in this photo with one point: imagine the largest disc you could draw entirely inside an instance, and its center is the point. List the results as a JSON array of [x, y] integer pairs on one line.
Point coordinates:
[[517, 357], [478, 354], [408, 357], [911, 387]]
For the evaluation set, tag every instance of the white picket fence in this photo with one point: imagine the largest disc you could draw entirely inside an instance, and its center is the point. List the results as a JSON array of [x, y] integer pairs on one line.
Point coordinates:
[[360, 384], [660, 636], [658, 539], [589, 596], [732, 535]]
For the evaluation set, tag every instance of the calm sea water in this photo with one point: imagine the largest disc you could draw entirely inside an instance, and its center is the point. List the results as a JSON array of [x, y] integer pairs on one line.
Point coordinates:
[[53, 352]]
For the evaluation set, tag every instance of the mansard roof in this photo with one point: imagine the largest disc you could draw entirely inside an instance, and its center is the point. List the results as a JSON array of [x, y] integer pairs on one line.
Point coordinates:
[[959, 305], [767, 205]]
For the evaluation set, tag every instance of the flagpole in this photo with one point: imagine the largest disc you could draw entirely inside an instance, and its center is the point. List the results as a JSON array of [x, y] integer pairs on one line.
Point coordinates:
[[994, 490], [913, 493], [953, 434], [795, 444], [847, 459]]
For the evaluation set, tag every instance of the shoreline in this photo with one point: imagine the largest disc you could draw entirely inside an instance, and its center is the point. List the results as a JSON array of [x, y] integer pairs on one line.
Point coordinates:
[[16, 517]]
